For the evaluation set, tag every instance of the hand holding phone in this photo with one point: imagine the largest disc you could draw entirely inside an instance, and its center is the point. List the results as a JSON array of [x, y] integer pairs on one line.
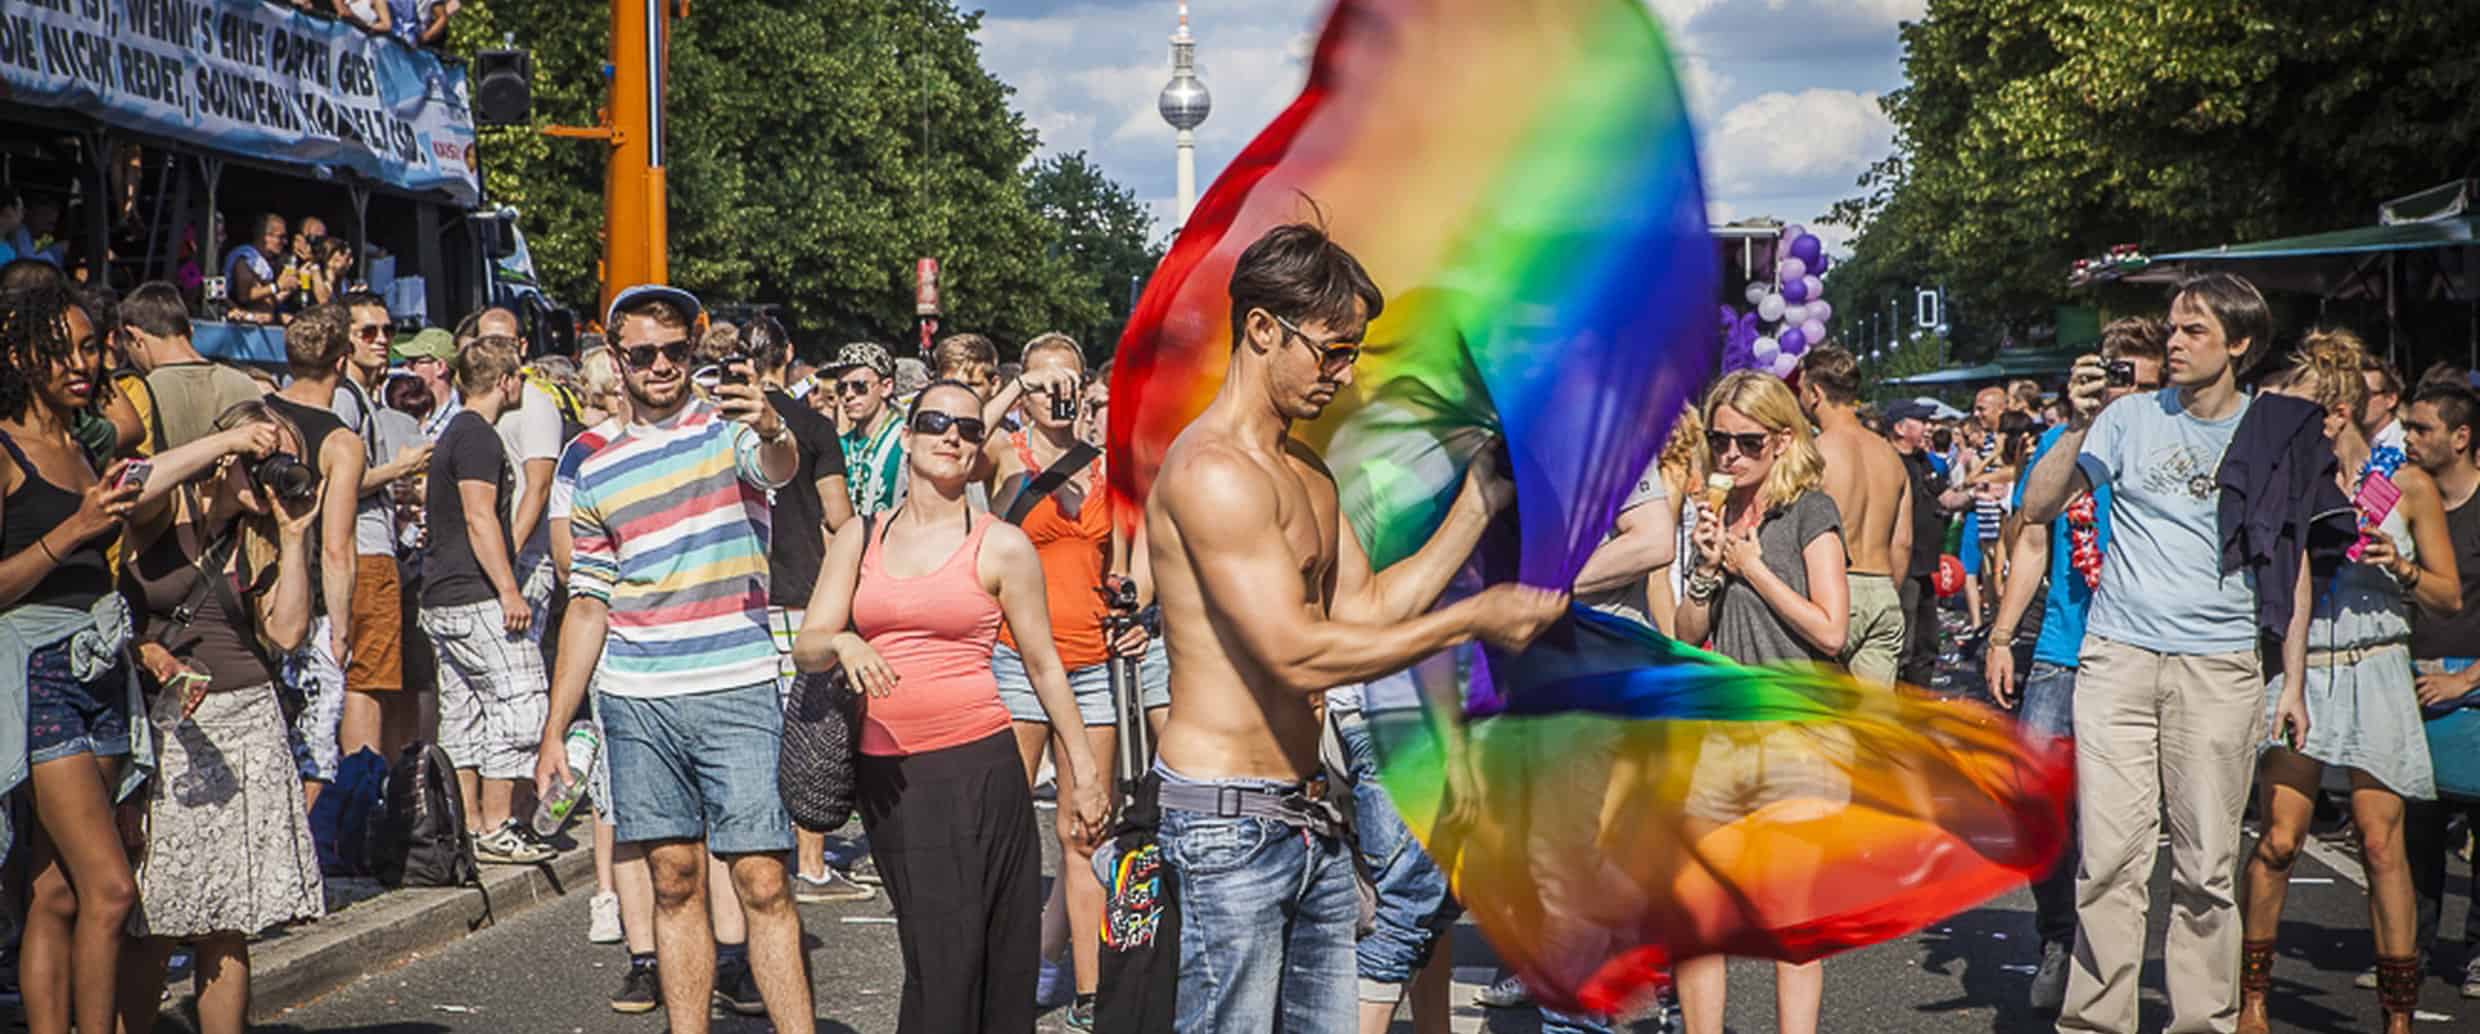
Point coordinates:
[[133, 475]]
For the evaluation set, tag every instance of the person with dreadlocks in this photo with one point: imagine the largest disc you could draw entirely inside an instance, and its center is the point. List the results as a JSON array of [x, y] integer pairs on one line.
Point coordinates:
[[63, 635]]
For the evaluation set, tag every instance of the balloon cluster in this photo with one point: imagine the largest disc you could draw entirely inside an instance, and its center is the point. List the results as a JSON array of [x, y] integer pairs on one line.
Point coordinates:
[[1794, 303]]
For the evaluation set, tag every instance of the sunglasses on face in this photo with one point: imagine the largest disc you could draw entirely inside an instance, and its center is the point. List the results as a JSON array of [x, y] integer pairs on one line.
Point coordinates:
[[370, 332], [642, 356], [1333, 354], [1722, 443], [934, 423], [850, 389]]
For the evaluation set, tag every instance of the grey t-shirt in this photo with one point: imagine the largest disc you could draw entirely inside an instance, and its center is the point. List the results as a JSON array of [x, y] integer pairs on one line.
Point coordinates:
[[1630, 601], [385, 432], [1745, 629]]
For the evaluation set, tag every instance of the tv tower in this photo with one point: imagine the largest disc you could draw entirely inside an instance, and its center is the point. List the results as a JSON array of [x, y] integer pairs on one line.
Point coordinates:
[[1185, 104]]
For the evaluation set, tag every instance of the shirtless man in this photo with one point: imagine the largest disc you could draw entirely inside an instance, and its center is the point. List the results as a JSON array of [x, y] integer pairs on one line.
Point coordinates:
[[1866, 479], [1267, 602]]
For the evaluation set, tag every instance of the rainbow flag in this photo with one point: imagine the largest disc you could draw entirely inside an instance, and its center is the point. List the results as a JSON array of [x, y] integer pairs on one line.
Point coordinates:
[[1520, 176]]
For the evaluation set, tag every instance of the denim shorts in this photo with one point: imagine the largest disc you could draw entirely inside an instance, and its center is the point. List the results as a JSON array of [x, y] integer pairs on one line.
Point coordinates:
[[65, 717], [698, 766], [1154, 675], [2048, 706], [1091, 683]]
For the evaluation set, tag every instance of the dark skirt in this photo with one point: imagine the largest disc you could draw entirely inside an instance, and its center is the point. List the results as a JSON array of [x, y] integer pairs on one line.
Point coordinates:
[[953, 834]]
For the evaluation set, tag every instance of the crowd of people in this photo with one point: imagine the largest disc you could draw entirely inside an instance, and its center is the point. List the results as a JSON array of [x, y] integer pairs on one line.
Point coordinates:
[[420, 23], [2214, 563]]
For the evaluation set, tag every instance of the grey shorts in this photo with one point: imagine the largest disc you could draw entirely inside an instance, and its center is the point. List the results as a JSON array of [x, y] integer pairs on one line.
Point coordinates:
[[493, 696]]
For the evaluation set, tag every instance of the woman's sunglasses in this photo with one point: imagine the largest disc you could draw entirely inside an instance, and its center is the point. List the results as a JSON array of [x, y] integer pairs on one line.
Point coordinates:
[[1751, 444], [642, 356], [934, 423]]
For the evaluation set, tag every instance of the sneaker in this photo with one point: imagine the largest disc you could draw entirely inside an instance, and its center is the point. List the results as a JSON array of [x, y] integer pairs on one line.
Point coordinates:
[[502, 846], [640, 991], [1055, 984], [2366, 980], [603, 926], [865, 870], [828, 889], [1081, 1014], [1508, 993], [2471, 977], [736, 989], [2049, 983]]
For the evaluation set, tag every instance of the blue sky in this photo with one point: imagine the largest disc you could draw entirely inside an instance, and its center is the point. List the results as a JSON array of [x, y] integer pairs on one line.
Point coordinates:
[[1784, 91]]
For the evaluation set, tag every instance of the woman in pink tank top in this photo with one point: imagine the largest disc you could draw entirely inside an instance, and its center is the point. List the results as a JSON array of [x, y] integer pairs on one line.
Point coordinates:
[[909, 607]]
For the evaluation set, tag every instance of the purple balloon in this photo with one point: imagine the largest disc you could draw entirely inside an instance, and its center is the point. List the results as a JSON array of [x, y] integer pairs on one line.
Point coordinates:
[[1794, 232], [1814, 329], [1793, 341], [1795, 291], [1791, 269], [1823, 263], [1784, 364], [1816, 287], [1806, 247], [1820, 311]]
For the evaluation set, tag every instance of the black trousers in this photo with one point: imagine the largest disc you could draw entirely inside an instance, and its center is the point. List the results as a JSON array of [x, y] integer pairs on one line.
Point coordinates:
[[2425, 847], [1920, 631], [953, 834]]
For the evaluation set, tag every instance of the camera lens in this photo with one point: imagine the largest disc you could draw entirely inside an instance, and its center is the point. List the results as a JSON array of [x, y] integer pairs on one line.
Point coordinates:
[[285, 477]]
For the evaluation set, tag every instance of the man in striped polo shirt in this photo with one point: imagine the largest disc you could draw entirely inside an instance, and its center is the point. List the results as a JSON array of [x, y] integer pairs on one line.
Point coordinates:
[[668, 596]]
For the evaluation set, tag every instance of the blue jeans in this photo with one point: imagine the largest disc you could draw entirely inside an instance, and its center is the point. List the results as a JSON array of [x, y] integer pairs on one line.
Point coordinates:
[[1414, 907], [2048, 709], [1266, 918]]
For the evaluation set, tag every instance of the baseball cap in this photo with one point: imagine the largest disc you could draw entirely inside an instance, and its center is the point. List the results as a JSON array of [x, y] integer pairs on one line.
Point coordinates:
[[1909, 409], [862, 353], [630, 297], [430, 343]]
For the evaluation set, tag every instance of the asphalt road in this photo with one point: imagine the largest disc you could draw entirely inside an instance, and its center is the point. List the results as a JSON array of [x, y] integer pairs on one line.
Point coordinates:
[[535, 974]]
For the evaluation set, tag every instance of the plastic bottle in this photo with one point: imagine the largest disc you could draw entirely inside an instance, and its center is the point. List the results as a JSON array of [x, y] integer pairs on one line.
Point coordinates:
[[584, 748]]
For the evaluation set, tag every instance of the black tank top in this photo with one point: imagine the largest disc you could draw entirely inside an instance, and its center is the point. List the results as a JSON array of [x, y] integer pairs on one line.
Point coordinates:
[[82, 576], [2436, 638]]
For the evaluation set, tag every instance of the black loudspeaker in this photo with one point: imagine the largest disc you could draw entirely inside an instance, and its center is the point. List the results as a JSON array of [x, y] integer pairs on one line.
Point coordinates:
[[503, 87]]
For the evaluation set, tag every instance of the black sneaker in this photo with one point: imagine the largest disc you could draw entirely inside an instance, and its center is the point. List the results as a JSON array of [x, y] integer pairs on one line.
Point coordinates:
[[736, 989], [640, 991]]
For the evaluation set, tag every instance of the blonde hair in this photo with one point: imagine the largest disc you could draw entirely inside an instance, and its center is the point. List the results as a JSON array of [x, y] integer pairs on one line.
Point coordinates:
[[1683, 453], [1764, 398], [598, 373], [2327, 369], [258, 542]]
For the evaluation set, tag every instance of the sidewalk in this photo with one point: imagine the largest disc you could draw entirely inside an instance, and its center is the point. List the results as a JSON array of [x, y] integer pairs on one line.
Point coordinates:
[[369, 928]]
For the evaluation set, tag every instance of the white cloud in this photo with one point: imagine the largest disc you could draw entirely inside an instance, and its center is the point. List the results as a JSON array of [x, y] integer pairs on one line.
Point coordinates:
[[1783, 143]]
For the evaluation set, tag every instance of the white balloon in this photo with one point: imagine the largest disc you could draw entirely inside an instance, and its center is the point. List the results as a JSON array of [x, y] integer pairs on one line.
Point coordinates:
[[1784, 364], [1792, 233], [1770, 308], [1794, 315], [1765, 349], [1816, 287], [1814, 329], [1792, 268], [1820, 311], [1757, 292]]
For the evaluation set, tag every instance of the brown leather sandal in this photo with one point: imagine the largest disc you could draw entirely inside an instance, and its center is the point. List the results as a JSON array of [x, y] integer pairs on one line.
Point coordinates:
[[2398, 985], [2255, 978]]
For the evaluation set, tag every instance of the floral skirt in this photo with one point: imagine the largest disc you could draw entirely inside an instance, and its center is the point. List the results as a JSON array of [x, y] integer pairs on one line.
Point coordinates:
[[228, 845]]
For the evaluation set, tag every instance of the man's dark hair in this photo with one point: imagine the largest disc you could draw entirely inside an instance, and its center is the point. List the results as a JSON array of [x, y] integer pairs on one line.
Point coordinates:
[[2239, 307], [34, 334], [1833, 371], [2389, 381], [2135, 337], [768, 345], [2457, 406], [259, 227], [1297, 273], [363, 300], [2442, 372], [20, 274], [317, 339], [956, 351], [156, 308]]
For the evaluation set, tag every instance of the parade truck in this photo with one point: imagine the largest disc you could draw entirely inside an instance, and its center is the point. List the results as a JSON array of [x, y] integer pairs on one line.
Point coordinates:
[[149, 139]]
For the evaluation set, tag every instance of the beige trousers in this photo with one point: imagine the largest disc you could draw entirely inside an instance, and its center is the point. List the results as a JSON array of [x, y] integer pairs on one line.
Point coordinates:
[[1873, 646], [2159, 732]]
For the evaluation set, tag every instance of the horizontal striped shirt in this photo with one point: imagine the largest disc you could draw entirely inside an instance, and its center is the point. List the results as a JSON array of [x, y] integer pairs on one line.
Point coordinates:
[[671, 526]]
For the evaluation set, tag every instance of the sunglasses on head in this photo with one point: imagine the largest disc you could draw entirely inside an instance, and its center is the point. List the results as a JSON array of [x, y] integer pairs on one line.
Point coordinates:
[[1750, 444], [642, 356], [934, 423]]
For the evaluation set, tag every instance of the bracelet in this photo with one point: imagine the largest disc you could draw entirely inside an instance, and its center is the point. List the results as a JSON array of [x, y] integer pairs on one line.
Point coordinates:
[[1702, 586], [46, 547]]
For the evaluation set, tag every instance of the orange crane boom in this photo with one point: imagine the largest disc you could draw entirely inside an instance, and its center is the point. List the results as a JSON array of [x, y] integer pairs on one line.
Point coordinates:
[[635, 224]]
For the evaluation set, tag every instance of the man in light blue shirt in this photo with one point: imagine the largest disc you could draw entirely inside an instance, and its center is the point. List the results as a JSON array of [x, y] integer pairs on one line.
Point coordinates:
[[2169, 700], [2133, 349]]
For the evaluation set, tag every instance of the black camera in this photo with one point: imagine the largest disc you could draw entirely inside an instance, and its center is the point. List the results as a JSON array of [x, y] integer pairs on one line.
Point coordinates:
[[1063, 407], [732, 369], [284, 476], [2121, 374]]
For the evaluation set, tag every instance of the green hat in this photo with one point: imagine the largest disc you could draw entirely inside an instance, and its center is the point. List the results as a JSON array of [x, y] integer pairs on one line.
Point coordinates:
[[431, 343]]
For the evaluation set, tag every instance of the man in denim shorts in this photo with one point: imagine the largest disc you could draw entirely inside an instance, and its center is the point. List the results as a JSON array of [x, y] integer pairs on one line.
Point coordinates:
[[668, 618], [1268, 601]]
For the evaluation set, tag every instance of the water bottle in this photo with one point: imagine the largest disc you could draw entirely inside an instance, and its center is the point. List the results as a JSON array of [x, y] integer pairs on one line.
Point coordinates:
[[583, 747]]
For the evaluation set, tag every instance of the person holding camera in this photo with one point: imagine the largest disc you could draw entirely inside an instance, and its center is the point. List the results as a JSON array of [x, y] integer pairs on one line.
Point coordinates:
[[221, 571], [492, 690]]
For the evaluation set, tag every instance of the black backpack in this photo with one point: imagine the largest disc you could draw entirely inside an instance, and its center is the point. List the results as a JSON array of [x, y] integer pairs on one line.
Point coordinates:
[[420, 839]]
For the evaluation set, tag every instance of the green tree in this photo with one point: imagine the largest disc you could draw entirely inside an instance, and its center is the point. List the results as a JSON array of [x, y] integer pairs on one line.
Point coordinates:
[[1104, 236], [2034, 132], [814, 150]]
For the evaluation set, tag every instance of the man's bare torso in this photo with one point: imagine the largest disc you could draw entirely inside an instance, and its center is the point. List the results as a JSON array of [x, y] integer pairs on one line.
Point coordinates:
[[1227, 718], [1866, 479]]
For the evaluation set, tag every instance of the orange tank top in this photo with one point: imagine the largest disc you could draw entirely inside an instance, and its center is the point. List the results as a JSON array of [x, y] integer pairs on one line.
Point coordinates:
[[935, 632], [1076, 553]]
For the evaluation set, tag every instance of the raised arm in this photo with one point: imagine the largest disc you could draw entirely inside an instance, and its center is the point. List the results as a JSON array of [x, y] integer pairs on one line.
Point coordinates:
[[2059, 476], [1411, 585]]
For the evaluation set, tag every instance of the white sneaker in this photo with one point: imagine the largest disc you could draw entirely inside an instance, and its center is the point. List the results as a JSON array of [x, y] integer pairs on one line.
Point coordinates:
[[503, 846], [603, 926]]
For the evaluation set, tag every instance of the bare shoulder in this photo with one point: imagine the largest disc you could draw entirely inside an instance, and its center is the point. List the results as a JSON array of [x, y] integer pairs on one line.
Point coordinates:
[[2417, 486], [1205, 479], [1005, 554]]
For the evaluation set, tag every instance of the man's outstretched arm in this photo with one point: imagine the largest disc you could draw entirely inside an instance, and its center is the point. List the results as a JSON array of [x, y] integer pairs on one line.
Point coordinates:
[[1411, 585]]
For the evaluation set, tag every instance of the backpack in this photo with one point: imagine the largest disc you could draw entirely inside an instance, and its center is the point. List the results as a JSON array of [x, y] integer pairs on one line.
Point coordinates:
[[341, 824], [420, 839]]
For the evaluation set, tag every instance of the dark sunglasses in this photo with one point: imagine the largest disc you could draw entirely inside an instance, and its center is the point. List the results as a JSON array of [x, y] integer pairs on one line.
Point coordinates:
[[934, 423], [1750, 444], [371, 332], [849, 388], [1332, 355], [642, 356]]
